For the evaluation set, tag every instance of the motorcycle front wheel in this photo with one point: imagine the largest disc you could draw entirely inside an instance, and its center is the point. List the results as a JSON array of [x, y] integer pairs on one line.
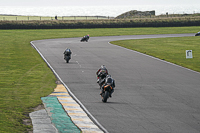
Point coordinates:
[[105, 96], [67, 60]]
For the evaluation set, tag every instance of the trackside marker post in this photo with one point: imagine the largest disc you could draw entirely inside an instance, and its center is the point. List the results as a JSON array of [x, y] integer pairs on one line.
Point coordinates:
[[189, 54]]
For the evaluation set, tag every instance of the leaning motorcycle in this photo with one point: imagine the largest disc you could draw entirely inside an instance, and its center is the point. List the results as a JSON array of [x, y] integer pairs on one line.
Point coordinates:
[[85, 38], [106, 93]]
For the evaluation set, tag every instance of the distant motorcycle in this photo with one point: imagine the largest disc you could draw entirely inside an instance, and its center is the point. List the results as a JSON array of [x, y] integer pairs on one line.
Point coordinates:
[[106, 93], [67, 55], [107, 88], [85, 38], [197, 34]]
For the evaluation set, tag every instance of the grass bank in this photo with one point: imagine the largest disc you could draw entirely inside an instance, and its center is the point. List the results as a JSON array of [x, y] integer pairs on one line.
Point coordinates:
[[25, 77], [101, 23], [168, 49]]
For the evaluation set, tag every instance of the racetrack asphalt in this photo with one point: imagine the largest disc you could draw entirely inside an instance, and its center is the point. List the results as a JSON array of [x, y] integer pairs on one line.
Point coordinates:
[[151, 95]]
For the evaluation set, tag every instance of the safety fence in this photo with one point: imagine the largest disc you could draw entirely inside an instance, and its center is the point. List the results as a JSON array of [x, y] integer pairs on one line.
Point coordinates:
[[30, 18]]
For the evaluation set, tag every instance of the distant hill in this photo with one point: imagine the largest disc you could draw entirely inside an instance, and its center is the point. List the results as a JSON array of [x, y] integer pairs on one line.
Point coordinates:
[[135, 13]]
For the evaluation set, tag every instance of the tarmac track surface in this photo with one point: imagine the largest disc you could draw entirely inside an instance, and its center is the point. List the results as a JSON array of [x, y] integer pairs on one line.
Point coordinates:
[[151, 95]]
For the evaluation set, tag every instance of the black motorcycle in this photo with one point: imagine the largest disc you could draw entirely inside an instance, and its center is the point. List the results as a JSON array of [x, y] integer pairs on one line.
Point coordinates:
[[85, 38], [197, 34], [106, 93], [67, 55], [67, 58]]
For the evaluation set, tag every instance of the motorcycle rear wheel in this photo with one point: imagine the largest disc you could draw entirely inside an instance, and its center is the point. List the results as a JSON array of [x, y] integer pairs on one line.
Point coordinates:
[[105, 97]]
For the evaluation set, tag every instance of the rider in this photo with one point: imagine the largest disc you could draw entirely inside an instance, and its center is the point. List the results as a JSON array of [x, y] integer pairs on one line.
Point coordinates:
[[109, 82], [102, 72], [87, 37], [67, 52]]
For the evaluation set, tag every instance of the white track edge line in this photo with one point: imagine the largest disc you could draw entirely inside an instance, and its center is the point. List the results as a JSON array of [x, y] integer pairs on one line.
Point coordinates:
[[155, 58]]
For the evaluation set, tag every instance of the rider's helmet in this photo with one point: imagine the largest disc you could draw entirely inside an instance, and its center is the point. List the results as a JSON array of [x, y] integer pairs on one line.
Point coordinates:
[[109, 80], [68, 50], [103, 67]]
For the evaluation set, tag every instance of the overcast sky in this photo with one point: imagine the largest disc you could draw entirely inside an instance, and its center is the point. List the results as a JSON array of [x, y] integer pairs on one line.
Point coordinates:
[[95, 2]]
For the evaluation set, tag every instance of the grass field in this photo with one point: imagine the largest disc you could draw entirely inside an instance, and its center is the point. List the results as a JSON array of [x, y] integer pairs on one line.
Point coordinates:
[[25, 77], [168, 49]]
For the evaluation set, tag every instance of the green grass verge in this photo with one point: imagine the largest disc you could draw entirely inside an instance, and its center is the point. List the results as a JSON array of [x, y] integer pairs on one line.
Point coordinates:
[[168, 49], [25, 77], [90, 22]]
